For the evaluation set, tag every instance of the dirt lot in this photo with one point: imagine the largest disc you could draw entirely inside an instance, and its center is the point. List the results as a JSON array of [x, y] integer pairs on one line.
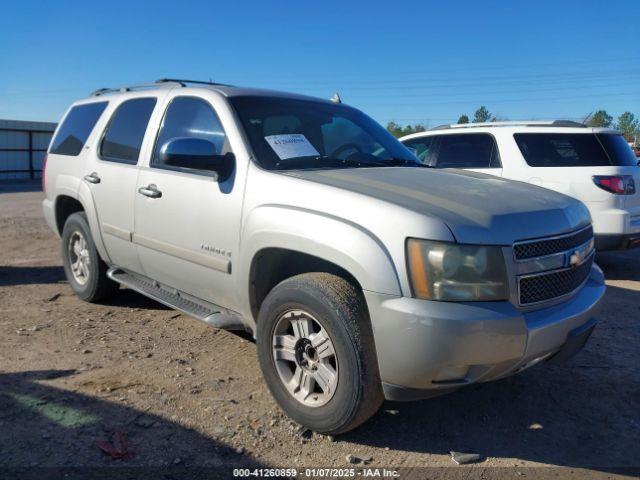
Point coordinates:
[[178, 392]]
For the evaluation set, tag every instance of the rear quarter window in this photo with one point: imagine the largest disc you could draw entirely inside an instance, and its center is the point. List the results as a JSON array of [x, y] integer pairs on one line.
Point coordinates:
[[76, 128], [573, 150]]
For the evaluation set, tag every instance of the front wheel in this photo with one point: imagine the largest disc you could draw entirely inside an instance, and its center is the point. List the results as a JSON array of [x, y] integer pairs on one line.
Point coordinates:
[[317, 354]]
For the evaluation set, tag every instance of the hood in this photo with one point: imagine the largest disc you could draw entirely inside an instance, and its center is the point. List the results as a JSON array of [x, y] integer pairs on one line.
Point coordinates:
[[477, 208]]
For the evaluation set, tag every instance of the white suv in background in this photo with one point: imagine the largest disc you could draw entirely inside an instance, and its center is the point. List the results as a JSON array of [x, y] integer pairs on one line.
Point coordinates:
[[594, 165]]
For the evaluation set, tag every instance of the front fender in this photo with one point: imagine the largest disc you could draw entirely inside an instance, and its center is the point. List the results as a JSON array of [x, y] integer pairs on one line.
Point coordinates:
[[343, 243]]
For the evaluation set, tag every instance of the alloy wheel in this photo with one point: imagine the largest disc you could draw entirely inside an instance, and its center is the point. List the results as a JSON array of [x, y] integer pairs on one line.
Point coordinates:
[[305, 358], [79, 259]]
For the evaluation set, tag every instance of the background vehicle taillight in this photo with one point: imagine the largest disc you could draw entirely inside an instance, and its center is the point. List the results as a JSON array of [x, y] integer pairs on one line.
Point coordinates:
[[616, 184], [44, 169]]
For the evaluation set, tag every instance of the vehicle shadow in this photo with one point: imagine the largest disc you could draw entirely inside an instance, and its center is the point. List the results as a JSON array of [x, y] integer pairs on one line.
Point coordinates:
[[584, 413], [548, 422], [29, 275], [132, 299], [622, 265], [43, 425]]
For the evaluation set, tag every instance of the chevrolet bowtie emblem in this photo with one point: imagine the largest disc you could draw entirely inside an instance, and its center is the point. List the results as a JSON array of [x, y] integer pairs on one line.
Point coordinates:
[[576, 259], [578, 256]]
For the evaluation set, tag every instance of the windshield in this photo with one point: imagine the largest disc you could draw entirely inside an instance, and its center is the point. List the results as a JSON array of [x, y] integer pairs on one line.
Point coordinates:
[[300, 134]]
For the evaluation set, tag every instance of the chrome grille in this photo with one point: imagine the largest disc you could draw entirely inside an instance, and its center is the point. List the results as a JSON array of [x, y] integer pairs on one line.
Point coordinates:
[[548, 285], [550, 246]]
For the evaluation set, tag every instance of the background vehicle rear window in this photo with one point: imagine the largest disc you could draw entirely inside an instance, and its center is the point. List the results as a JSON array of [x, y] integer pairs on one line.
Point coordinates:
[[123, 137], [469, 150], [619, 151], [75, 129], [573, 150]]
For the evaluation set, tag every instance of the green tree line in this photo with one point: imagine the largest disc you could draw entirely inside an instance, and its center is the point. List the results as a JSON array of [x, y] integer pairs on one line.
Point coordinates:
[[627, 123]]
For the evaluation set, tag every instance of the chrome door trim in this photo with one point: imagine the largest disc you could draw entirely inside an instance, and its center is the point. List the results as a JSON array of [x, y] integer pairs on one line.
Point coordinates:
[[220, 264], [116, 232]]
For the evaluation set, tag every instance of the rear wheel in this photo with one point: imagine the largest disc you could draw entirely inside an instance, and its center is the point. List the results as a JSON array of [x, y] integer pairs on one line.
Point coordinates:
[[85, 270], [317, 354]]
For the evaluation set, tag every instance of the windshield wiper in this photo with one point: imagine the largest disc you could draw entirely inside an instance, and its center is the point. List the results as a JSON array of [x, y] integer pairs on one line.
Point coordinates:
[[362, 163], [403, 162], [347, 162]]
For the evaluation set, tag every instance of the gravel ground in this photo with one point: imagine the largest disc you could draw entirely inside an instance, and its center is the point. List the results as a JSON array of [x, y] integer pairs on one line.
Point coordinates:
[[81, 384]]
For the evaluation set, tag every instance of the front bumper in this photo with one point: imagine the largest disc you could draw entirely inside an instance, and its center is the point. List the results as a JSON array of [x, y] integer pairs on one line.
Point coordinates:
[[426, 348]]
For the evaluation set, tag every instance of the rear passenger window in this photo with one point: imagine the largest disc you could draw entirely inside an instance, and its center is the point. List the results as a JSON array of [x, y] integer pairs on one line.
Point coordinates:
[[422, 147], [469, 150], [75, 129], [123, 137], [193, 118]]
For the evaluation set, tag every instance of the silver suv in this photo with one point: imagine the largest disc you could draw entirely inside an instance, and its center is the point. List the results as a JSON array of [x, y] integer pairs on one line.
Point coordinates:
[[361, 273]]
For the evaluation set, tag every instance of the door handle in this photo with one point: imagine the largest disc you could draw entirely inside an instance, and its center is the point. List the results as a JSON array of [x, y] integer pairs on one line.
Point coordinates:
[[93, 178], [150, 191]]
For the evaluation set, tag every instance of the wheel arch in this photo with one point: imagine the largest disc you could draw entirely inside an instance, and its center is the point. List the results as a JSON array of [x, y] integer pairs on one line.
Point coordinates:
[[67, 203], [64, 207], [287, 242], [272, 265]]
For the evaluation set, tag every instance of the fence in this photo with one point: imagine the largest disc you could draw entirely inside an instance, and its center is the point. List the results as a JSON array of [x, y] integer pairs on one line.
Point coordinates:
[[22, 148]]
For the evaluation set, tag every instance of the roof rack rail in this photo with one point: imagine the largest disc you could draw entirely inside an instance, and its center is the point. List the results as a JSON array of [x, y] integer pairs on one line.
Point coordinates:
[[568, 123], [524, 123], [162, 82], [184, 82], [130, 88]]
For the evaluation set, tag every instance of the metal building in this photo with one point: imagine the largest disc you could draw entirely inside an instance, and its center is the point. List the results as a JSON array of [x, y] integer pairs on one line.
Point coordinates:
[[22, 148]]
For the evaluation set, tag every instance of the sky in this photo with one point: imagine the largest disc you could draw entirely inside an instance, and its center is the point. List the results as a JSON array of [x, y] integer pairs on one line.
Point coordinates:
[[411, 62]]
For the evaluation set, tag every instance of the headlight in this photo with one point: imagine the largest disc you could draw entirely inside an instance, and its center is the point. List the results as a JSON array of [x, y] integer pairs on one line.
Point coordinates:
[[454, 272]]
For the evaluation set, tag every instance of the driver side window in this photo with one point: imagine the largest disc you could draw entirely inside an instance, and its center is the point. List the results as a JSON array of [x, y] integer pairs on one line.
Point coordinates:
[[190, 117]]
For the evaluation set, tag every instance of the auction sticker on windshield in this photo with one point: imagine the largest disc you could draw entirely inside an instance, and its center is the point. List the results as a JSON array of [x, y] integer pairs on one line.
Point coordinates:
[[291, 146]]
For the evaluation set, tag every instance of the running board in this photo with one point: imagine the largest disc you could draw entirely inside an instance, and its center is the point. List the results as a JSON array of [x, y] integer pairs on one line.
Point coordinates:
[[214, 315]]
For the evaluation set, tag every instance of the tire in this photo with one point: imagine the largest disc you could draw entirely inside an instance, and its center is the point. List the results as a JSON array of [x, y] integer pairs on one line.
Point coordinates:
[[94, 285], [339, 309]]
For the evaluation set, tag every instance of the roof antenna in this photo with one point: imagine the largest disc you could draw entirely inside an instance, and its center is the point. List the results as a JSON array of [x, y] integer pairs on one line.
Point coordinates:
[[586, 119], [336, 98]]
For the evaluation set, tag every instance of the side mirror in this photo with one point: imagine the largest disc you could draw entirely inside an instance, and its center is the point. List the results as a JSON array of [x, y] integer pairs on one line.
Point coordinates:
[[196, 154]]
